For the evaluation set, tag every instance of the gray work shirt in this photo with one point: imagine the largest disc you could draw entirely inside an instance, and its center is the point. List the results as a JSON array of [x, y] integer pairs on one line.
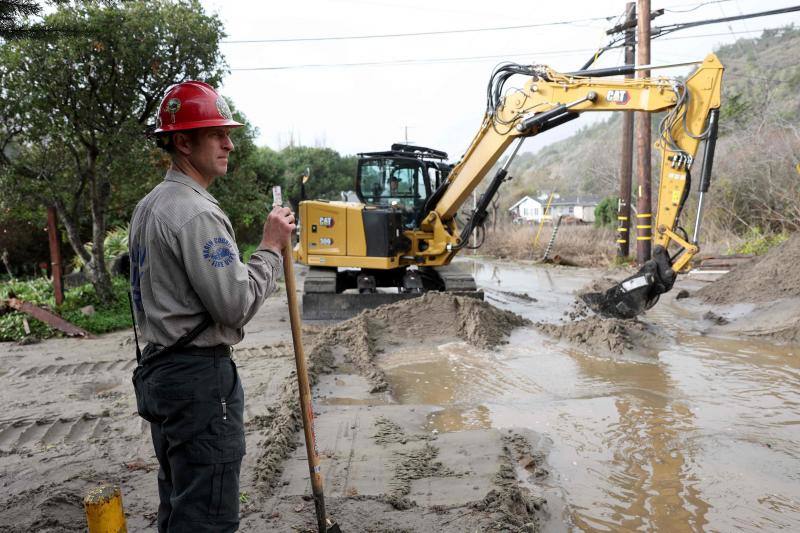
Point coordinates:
[[185, 263]]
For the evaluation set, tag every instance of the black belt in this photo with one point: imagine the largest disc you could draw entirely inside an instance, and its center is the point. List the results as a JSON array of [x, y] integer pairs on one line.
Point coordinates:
[[152, 352]]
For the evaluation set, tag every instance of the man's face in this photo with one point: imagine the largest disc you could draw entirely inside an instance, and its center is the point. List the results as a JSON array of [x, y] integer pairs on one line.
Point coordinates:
[[208, 150]]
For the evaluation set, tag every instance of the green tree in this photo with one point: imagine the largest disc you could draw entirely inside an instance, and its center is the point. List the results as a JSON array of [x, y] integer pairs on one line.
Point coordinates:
[[605, 214], [329, 172], [74, 111], [241, 193], [269, 167], [15, 20]]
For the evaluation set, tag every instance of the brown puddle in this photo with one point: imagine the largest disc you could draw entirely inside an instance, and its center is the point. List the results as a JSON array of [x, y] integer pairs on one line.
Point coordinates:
[[703, 434]]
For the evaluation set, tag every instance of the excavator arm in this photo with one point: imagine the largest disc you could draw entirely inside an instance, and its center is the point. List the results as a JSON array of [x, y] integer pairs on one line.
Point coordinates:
[[549, 99]]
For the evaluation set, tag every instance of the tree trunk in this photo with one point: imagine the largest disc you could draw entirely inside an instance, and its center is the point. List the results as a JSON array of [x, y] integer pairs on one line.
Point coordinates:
[[71, 227], [100, 190]]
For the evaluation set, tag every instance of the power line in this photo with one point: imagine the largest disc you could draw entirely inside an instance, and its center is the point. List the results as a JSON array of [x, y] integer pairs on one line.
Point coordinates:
[[416, 34], [662, 30], [401, 62], [657, 31], [456, 31], [695, 8], [410, 61]]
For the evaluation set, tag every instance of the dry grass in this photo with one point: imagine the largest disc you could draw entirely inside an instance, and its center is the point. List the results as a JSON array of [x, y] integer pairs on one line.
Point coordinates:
[[580, 245], [717, 240], [586, 245]]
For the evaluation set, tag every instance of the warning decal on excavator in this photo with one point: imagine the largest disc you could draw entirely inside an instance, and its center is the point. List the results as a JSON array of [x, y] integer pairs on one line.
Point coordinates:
[[618, 96]]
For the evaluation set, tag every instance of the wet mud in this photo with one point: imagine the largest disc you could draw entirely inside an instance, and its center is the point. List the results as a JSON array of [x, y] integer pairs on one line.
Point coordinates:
[[449, 414], [603, 335]]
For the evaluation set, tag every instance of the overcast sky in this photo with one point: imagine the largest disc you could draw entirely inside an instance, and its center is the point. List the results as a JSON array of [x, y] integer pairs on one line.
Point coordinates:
[[428, 87]]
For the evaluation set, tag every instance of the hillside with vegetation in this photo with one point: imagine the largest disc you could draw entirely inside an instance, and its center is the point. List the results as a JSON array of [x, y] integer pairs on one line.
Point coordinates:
[[755, 179]]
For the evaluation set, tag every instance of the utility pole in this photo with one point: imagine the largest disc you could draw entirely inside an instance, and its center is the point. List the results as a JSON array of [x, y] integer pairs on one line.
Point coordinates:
[[55, 254], [626, 164], [644, 216]]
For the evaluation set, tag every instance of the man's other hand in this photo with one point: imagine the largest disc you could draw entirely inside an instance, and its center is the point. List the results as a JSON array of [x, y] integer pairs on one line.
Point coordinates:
[[278, 229]]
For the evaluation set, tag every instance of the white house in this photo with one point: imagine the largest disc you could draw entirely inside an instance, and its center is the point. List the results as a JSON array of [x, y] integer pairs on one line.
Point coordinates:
[[529, 209]]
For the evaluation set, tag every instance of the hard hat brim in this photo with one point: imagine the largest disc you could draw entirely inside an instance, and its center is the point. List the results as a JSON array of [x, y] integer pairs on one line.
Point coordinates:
[[211, 123]]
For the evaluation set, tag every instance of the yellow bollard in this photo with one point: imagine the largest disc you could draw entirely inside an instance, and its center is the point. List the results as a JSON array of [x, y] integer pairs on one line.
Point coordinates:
[[104, 512]]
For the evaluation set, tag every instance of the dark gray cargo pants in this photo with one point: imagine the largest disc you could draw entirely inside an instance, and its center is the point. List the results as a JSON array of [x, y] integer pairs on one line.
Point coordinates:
[[195, 405]]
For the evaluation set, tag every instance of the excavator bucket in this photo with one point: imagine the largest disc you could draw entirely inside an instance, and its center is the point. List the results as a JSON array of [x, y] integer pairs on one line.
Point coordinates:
[[635, 294]]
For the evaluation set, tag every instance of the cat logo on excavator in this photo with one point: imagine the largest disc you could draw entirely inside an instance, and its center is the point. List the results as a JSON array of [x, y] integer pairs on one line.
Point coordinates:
[[618, 96]]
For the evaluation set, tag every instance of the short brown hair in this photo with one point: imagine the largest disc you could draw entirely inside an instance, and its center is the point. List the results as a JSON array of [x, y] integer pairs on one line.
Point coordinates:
[[165, 142]]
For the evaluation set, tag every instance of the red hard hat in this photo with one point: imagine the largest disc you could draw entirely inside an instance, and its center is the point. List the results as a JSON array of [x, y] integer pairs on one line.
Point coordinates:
[[190, 105]]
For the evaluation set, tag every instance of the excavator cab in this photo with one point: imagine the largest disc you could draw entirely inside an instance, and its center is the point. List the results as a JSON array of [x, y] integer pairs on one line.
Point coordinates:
[[403, 178]]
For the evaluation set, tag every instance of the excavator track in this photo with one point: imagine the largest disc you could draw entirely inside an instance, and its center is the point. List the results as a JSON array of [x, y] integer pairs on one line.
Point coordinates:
[[324, 299]]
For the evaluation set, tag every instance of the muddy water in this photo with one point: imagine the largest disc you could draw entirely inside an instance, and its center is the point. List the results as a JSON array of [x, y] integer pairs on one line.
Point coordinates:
[[701, 435]]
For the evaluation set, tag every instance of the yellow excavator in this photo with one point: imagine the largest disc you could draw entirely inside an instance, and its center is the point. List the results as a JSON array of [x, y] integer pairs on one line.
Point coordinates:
[[404, 232]]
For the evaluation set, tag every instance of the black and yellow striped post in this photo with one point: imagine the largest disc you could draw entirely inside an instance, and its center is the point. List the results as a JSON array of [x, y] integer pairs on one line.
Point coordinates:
[[104, 512], [644, 236], [622, 236], [626, 161]]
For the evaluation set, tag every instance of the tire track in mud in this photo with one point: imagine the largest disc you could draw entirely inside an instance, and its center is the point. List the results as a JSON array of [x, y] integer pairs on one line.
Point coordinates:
[[84, 368], [408, 464], [23, 435], [270, 351]]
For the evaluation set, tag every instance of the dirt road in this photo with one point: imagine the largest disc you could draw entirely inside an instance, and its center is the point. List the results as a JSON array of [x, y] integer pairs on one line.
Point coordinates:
[[684, 421]]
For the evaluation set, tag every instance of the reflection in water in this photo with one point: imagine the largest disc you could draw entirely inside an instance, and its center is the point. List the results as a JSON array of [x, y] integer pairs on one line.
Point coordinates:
[[705, 435], [460, 418], [651, 488]]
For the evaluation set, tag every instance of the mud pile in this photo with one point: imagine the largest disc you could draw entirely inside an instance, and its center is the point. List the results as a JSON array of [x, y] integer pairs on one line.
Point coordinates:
[[474, 321], [595, 333], [600, 334], [431, 318], [771, 277]]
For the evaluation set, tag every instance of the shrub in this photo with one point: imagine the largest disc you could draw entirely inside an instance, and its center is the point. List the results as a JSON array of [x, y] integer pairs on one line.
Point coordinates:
[[40, 292], [115, 244], [758, 243], [605, 214]]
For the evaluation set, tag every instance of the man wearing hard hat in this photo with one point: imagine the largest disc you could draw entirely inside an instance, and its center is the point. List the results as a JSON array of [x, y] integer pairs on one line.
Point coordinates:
[[191, 297]]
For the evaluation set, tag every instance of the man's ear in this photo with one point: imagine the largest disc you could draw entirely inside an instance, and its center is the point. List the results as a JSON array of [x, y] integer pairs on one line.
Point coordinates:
[[182, 142]]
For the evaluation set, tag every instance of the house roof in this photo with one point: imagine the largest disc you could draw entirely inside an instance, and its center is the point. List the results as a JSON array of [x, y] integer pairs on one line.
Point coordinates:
[[576, 200], [522, 200], [585, 199]]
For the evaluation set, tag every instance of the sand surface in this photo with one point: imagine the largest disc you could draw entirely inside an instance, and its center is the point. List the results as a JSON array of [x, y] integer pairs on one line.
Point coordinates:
[[70, 422]]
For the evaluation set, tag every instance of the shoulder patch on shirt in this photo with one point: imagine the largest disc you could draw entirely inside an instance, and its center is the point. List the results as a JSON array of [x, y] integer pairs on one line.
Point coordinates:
[[219, 252]]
